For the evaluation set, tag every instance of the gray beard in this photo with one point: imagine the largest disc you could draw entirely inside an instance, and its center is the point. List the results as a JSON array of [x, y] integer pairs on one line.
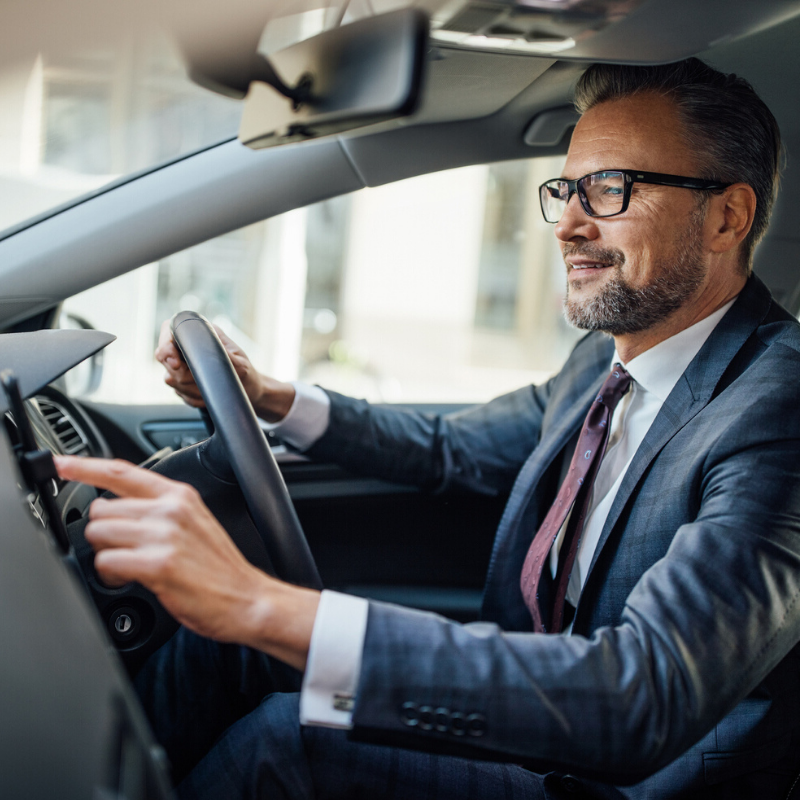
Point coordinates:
[[620, 308]]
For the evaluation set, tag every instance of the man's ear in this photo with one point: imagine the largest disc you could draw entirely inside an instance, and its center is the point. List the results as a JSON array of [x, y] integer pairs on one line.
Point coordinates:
[[731, 214]]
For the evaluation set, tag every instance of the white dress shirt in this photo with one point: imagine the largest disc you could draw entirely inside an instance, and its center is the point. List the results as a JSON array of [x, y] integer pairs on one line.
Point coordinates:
[[307, 418], [337, 640]]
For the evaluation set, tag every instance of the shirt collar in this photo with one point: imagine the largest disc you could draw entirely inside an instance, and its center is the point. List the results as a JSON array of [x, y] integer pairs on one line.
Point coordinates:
[[658, 369]]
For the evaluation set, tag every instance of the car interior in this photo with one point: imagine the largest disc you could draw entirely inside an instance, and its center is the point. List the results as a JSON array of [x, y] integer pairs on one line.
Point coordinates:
[[493, 85]]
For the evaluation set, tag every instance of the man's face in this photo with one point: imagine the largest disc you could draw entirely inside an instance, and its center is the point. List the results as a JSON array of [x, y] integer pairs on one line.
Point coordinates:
[[627, 273]]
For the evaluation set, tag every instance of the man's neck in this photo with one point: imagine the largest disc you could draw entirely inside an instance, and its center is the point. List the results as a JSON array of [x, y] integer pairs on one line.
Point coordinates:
[[631, 345]]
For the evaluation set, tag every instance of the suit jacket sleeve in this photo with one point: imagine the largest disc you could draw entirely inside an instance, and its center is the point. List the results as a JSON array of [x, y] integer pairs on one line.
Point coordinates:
[[480, 449], [702, 628]]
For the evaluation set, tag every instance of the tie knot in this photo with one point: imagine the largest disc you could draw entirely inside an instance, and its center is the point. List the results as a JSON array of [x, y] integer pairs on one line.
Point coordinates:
[[615, 386]]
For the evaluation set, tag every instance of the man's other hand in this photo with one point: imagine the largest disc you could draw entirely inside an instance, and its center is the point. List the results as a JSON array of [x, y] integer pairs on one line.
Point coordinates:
[[270, 399], [160, 533]]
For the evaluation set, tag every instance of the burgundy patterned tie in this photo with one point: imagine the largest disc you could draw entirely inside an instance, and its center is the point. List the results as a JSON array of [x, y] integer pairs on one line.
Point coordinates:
[[575, 493]]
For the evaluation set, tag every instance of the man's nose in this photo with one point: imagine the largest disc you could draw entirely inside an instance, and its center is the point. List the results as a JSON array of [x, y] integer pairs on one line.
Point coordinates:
[[575, 222]]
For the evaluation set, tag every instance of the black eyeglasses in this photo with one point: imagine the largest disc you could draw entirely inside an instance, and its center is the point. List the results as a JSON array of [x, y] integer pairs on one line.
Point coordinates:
[[607, 193]]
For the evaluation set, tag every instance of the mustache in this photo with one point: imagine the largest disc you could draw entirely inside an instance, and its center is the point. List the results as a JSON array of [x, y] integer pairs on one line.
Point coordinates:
[[600, 254]]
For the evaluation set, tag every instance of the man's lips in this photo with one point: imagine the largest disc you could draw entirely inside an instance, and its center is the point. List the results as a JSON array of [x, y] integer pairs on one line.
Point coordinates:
[[585, 263]]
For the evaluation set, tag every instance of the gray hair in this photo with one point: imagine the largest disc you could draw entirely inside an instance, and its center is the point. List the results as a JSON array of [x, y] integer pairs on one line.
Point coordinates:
[[724, 120]]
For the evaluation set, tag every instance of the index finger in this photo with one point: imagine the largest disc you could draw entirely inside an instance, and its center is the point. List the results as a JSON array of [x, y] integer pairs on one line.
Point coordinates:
[[165, 334], [166, 346], [120, 477]]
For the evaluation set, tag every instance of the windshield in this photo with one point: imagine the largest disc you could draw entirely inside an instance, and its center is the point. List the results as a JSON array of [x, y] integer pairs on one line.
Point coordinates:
[[73, 122]]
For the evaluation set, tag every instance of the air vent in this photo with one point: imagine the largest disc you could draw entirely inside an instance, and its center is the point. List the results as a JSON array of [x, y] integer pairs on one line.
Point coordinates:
[[73, 440]]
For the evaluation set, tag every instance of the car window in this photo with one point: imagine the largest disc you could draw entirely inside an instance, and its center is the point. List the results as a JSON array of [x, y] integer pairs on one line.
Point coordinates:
[[442, 288], [73, 122]]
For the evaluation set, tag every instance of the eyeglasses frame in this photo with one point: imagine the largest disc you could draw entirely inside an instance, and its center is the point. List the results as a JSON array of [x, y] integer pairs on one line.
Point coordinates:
[[631, 177]]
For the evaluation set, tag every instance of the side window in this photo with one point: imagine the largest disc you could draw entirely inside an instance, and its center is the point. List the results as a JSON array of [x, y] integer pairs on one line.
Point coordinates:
[[441, 288]]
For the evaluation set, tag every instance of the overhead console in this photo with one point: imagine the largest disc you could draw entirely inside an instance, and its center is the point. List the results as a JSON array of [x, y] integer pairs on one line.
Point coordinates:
[[603, 30], [538, 27]]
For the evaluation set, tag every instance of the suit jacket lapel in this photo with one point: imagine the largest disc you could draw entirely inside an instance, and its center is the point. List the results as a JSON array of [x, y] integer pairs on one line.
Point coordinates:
[[566, 412], [543, 455], [692, 392], [568, 421]]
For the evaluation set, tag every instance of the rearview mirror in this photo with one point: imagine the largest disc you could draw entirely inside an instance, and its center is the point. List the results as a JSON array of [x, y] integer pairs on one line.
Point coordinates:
[[366, 72]]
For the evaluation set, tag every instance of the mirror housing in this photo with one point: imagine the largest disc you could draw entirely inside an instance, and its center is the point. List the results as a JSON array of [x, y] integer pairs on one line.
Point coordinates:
[[359, 74]]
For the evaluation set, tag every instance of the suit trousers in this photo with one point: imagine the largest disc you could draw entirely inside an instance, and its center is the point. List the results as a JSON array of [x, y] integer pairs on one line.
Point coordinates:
[[228, 718]]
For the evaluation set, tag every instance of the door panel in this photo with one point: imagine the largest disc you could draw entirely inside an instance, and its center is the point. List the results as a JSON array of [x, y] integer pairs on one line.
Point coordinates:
[[408, 547]]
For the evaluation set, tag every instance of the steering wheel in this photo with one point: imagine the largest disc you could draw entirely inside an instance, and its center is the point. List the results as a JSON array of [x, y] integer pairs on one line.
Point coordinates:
[[248, 453], [236, 453]]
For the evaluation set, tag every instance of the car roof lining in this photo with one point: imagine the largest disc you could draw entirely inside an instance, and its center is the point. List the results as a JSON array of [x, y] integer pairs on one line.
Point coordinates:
[[466, 84]]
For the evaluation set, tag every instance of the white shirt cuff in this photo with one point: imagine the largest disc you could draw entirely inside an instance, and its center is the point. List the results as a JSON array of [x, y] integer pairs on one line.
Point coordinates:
[[334, 661], [307, 419]]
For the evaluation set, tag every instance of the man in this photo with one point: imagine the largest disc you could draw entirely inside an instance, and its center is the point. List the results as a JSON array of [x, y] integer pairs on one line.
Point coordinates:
[[674, 574]]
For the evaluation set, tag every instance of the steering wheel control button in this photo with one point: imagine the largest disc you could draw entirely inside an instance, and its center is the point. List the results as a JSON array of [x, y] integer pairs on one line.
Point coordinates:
[[409, 714], [124, 624]]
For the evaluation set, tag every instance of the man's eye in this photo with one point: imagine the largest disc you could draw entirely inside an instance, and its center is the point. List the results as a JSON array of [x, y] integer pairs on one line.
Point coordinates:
[[612, 191]]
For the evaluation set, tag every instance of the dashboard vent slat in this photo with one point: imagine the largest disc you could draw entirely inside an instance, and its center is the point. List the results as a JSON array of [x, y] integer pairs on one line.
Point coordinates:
[[73, 440]]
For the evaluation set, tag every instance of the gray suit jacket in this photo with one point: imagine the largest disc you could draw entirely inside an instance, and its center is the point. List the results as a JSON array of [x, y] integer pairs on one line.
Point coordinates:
[[682, 671]]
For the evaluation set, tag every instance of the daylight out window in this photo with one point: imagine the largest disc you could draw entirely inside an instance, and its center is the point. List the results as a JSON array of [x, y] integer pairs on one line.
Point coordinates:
[[73, 122], [441, 288]]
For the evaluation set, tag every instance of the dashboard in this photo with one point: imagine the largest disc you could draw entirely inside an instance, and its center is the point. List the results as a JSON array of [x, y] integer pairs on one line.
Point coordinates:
[[41, 420], [46, 423], [56, 423], [32, 362], [69, 702]]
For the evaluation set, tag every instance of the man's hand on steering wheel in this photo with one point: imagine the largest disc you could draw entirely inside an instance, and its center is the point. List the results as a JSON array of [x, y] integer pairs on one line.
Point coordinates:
[[271, 399], [160, 533]]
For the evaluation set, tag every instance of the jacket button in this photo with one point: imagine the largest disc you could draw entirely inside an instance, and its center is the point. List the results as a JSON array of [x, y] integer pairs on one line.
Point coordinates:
[[458, 724], [425, 718], [441, 719], [476, 725], [409, 714], [570, 784]]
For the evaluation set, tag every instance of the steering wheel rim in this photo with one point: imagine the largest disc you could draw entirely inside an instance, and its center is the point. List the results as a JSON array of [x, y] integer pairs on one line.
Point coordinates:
[[248, 452]]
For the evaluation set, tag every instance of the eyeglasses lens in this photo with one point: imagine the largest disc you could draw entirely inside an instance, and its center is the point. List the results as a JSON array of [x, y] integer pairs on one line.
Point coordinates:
[[603, 192], [553, 204]]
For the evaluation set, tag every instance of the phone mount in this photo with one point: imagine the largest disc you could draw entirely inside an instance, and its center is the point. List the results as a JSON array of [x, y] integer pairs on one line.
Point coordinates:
[[36, 464]]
